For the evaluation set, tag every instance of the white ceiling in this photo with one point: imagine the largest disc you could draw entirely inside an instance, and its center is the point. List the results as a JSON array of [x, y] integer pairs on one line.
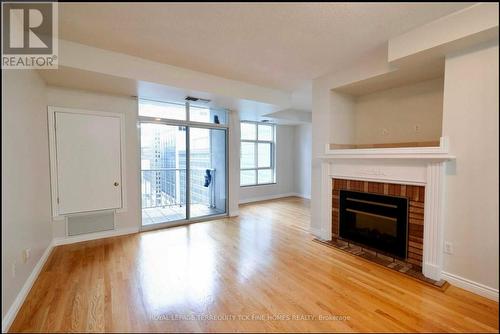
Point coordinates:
[[279, 45]]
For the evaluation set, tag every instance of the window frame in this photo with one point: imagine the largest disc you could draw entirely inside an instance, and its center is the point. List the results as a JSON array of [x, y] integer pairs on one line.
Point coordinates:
[[187, 114], [256, 143]]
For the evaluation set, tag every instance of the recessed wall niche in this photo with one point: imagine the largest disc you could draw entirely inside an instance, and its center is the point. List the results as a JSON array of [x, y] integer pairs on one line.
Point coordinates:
[[392, 110]]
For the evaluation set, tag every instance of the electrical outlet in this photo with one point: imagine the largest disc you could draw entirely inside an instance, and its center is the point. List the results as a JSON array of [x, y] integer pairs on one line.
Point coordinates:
[[13, 269], [416, 128], [448, 247], [26, 254]]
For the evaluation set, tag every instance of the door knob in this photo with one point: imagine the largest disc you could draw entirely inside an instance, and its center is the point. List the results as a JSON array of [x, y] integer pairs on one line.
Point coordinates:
[[116, 184]]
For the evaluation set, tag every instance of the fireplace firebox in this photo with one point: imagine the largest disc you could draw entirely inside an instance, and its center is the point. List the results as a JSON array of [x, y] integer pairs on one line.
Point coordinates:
[[376, 221]]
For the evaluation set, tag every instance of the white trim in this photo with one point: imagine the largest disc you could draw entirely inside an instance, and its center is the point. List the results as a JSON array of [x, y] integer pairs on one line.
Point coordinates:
[[169, 121], [387, 155], [437, 153], [23, 293], [256, 142], [424, 166], [474, 287], [267, 197], [53, 161], [52, 129], [326, 201], [94, 236], [433, 222]]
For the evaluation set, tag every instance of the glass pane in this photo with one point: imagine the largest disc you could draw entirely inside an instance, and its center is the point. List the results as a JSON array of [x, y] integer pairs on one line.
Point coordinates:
[[219, 116], [247, 177], [162, 110], [199, 114], [382, 227], [265, 176], [247, 155], [163, 173], [265, 132], [207, 164], [264, 155], [248, 131], [207, 115]]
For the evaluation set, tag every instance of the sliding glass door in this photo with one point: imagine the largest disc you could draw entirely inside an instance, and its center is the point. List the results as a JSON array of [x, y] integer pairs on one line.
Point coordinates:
[[183, 166], [163, 173], [207, 172]]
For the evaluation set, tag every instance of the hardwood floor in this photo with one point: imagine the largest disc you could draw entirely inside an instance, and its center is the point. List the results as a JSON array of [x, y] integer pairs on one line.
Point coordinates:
[[258, 272]]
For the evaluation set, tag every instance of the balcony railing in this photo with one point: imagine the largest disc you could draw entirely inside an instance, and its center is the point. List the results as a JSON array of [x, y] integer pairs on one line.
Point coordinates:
[[167, 187]]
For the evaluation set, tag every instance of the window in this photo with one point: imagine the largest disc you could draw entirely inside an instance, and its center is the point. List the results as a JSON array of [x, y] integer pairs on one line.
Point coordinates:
[[257, 154], [162, 109], [182, 112]]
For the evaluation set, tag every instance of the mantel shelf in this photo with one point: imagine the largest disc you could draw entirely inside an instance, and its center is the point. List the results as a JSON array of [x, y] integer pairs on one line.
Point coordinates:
[[434, 153], [385, 155]]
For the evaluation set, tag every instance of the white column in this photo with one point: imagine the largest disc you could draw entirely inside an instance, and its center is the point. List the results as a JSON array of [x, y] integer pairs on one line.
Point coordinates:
[[234, 163], [326, 202], [433, 221]]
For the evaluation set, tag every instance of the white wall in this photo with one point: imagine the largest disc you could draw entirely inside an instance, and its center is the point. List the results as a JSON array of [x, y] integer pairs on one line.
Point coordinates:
[[284, 169], [234, 163], [464, 28], [398, 111], [92, 101], [121, 66], [330, 114], [470, 120], [302, 160], [131, 219], [25, 178]]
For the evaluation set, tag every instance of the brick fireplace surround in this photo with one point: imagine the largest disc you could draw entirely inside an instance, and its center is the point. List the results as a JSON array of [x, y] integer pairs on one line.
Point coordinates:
[[415, 196], [413, 172]]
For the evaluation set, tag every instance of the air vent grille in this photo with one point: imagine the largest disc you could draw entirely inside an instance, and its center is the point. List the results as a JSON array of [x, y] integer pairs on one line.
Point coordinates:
[[196, 99]]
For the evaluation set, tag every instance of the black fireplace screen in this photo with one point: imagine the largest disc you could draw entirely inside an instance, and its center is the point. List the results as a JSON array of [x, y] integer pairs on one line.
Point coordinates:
[[376, 221]]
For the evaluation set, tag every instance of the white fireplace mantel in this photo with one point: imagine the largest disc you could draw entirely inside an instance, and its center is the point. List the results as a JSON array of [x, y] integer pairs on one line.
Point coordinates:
[[424, 166]]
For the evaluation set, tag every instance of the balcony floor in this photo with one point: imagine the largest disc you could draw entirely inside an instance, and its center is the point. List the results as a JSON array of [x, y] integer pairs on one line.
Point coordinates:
[[172, 213]]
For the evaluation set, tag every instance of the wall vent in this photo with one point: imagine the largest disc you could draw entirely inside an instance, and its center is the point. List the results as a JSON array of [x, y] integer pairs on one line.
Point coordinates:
[[196, 99], [90, 223]]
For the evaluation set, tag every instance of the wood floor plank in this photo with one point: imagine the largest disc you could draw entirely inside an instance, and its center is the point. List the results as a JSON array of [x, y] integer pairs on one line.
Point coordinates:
[[259, 272]]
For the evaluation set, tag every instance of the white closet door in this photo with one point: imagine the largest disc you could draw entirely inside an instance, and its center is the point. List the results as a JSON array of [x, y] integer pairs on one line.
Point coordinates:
[[88, 162]]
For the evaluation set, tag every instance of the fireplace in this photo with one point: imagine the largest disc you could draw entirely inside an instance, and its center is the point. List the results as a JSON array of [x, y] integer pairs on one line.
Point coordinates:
[[399, 206], [415, 173], [374, 220]]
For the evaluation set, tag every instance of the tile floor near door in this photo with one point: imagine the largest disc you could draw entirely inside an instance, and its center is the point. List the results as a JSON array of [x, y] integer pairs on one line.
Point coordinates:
[[261, 271]]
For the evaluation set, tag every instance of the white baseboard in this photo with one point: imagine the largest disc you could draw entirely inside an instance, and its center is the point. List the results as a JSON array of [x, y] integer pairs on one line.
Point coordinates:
[[94, 236], [474, 287], [268, 197], [21, 296], [456, 280]]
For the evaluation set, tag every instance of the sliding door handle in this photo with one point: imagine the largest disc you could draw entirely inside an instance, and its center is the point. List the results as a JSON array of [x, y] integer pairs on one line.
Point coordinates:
[[116, 184]]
